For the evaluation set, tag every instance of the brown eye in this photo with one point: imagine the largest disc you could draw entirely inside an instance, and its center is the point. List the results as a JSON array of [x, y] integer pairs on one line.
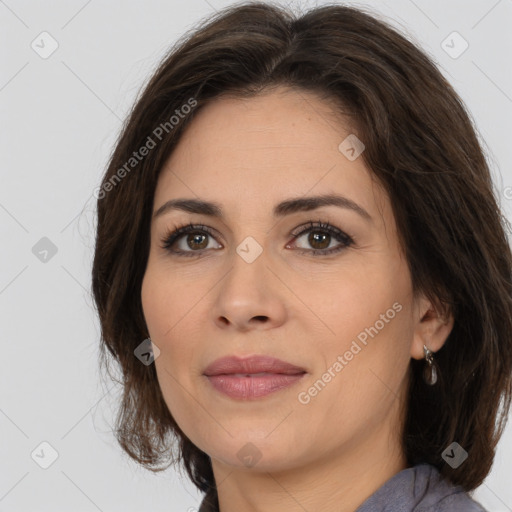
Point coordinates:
[[194, 241], [318, 241], [320, 236]]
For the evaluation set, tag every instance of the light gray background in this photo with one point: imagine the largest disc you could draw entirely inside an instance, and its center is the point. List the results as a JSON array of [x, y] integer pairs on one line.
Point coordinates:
[[60, 117]]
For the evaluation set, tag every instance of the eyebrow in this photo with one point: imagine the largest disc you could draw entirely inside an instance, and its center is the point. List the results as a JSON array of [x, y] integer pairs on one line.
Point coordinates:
[[301, 204]]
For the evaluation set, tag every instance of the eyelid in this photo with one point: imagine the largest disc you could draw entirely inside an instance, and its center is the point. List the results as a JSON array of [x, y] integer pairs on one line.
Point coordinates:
[[177, 232], [321, 226], [342, 237]]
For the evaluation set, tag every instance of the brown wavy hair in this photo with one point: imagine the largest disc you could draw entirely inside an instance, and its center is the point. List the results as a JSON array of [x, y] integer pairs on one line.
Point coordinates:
[[421, 144]]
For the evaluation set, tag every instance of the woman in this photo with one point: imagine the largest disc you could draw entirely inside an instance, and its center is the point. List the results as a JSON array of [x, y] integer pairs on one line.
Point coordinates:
[[298, 228]]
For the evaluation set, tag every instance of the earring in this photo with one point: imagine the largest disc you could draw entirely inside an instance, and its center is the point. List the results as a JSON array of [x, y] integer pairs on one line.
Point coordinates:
[[430, 370]]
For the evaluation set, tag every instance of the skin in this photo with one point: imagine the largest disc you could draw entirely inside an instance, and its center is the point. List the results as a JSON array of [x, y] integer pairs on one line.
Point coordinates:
[[333, 452]]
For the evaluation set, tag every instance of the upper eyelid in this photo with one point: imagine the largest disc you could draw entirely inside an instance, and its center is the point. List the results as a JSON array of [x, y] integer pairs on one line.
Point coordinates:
[[310, 224]]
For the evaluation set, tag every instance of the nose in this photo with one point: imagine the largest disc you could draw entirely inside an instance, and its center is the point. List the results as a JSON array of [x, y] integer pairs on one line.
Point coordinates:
[[250, 296]]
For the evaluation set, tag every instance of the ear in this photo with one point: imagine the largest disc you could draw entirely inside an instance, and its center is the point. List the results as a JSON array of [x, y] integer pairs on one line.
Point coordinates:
[[432, 327]]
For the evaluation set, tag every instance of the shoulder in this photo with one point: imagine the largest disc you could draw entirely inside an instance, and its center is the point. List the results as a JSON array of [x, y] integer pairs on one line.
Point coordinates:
[[440, 495], [420, 489]]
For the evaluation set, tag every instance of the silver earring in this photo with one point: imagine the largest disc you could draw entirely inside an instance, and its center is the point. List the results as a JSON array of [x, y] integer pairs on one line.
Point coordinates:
[[430, 370]]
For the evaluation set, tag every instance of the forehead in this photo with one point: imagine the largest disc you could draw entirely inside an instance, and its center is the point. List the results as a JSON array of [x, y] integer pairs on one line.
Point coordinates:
[[256, 151]]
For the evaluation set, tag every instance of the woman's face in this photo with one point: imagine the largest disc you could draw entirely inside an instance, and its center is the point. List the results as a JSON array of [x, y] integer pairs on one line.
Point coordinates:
[[341, 312]]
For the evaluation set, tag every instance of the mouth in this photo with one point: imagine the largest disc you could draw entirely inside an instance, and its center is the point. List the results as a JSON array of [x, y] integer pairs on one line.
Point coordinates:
[[252, 377]]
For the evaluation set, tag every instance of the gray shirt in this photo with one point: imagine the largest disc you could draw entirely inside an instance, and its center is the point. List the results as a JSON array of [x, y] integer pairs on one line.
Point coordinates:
[[416, 489], [419, 489]]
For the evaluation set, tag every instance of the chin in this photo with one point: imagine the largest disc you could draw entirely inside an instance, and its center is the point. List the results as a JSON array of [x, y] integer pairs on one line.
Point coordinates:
[[255, 450]]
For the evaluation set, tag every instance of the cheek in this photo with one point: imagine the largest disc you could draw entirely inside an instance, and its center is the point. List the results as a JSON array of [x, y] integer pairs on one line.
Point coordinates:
[[169, 310], [368, 316], [158, 295], [350, 302], [150, 292], [162, 313]]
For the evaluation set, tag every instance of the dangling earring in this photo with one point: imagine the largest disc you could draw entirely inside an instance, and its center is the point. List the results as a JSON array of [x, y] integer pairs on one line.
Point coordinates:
[[430, 370]]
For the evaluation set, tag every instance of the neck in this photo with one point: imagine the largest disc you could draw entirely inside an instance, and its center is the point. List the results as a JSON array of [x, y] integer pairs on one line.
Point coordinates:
[[339, 481]]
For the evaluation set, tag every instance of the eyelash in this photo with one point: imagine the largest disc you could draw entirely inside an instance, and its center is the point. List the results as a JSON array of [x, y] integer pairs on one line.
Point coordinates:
[[174, 235]]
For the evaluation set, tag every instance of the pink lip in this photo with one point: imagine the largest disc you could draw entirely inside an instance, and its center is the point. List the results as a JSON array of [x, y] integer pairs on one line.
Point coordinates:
[[251, 377]]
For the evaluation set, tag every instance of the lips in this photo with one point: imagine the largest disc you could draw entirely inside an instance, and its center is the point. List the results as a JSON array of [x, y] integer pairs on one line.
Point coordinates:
[[253, 377], [251, 366]]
